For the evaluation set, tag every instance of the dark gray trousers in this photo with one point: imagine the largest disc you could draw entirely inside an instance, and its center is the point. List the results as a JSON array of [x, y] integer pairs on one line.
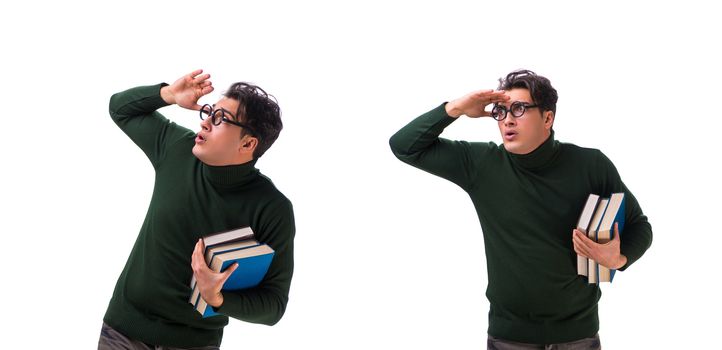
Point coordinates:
[[592, 343], [110, 339]]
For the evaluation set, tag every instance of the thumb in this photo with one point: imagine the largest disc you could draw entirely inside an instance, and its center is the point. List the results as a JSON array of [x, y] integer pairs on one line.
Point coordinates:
[[616, 232], [229, 271]]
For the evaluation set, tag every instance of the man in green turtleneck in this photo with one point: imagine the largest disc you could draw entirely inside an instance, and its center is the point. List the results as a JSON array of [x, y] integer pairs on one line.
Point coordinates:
[[205, 182], [528, 194]]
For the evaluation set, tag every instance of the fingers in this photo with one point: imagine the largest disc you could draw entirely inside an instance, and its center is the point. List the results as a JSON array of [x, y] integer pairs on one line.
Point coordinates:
[[482, 92], [190, 77], [196, 77], [473, 104], [194, 73], [206, 88], [582, 238], [616, 232], [581, 253], [581, 244], [198, 262], [580, 250], [491, 96], [201, 78]]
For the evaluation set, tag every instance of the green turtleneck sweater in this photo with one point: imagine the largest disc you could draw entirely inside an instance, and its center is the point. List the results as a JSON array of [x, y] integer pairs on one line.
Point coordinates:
[[528, 206], [190, 200]]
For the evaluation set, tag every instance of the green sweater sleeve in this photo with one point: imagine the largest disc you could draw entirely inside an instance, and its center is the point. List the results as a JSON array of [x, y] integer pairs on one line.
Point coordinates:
[[134, 111], [418, 144], [266, 303]]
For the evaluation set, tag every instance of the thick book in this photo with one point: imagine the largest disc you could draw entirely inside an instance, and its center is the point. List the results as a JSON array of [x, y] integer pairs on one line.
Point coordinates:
[[583, 225], [253, 263], [605, 232], [217, 241], [593, 267], [228, 236]]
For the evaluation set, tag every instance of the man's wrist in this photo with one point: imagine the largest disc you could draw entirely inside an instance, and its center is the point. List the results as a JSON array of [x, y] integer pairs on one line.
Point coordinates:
[[166, 95], [217, 301], [452, 111], [621, 261]]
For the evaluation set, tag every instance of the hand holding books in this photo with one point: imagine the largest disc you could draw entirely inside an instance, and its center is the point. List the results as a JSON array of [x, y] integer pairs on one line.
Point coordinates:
[[209, 282], [606, 254], [233, 261], [596, 238]]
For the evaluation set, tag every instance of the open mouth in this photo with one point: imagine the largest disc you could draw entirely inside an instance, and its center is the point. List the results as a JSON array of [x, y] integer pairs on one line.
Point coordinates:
[[510, 135], [200, 138]]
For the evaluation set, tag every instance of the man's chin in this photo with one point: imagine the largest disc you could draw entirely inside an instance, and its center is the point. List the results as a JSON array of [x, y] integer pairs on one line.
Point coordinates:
[[511, 146], [197, 152], [515, 147]]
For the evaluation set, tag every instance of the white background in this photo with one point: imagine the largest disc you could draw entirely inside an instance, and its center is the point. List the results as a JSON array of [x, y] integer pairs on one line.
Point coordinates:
[[386, 256]]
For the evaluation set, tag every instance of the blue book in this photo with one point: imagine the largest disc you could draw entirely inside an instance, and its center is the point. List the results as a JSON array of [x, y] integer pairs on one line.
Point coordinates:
[[605, 233], [211, 251], [219, 240], [253, 263]]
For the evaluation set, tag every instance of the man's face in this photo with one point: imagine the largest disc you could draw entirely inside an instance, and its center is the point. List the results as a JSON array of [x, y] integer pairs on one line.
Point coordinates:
[[220, 144], [524, 134]]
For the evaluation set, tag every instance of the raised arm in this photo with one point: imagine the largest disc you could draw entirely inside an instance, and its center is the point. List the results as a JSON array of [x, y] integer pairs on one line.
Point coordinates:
[[135, 112], [418, 142]]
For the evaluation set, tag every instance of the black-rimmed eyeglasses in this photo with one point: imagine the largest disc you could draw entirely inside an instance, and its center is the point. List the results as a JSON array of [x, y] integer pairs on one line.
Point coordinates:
[[517, 109], [219, 115]]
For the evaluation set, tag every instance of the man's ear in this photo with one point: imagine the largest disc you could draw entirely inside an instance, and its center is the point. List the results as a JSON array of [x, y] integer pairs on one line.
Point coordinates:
[[548, 119], [248, 144]]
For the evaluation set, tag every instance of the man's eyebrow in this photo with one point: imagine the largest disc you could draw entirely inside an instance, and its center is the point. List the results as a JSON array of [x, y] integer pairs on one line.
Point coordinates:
[[229, 113], [225, 110], [504, 104]]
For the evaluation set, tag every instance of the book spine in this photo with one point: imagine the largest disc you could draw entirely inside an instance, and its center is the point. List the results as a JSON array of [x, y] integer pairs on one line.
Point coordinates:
[[583, 225], [619, 219]]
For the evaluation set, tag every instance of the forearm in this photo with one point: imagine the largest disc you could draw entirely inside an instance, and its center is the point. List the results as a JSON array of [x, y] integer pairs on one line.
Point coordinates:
[[264, 305], [418, 144], [137, 101], [636, 239], [420, 134], [135, 112], [636, 236]]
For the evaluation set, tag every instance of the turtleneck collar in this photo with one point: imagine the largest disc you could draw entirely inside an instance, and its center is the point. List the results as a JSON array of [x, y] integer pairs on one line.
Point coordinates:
[[229, 176], [540, 157]]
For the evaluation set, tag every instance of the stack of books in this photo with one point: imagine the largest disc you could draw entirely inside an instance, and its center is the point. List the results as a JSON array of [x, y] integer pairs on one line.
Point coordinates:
[[597, 222], [222, 250]]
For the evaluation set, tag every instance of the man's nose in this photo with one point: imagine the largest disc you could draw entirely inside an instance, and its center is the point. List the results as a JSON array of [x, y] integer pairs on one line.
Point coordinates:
[[206, 124], [510, 119]]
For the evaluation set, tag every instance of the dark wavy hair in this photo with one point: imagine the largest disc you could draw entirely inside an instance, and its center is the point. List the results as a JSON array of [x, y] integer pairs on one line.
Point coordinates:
[[258, 110], [540, 88]]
